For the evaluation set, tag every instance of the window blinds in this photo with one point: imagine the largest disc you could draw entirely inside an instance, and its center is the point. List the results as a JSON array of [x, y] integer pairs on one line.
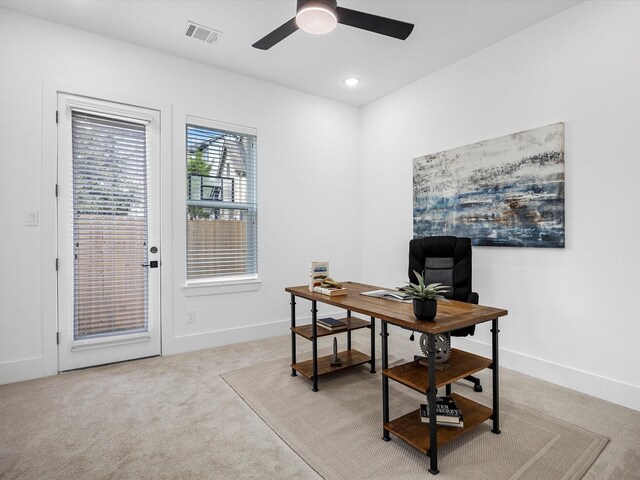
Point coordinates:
[[221, 203], [109, 225]]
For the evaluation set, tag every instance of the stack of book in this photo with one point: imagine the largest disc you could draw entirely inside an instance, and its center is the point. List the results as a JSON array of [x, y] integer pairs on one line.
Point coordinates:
[[447, 413], [331, 291], [331, 324]]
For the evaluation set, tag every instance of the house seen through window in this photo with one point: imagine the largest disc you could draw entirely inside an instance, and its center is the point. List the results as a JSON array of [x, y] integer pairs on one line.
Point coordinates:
[[221, 204]]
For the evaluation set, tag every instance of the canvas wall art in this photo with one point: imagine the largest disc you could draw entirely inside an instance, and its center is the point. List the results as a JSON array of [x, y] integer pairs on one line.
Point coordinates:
[[507, 191]]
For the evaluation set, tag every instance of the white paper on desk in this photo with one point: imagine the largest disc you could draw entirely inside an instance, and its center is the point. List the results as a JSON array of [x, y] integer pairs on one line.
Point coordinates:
[[389, 295]]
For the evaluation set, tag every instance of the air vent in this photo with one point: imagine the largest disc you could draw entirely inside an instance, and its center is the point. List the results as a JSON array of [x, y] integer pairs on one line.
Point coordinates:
[[203, 33]]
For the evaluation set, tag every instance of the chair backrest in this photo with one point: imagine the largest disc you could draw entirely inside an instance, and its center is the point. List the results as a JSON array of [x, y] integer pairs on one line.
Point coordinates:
[[445, 260]]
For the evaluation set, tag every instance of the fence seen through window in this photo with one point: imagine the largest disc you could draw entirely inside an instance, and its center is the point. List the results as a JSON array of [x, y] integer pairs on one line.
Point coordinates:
[[221, 204]]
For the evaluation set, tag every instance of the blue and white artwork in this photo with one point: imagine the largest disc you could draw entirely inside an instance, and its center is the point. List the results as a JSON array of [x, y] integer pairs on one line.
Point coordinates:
[[506, 192]]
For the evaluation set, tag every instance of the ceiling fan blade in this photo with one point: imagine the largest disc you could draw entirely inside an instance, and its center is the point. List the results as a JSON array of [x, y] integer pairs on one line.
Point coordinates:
[[374, 23], [279, 34]]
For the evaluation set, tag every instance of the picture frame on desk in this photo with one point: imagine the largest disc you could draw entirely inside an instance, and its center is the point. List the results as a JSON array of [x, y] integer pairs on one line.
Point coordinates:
[[318, 271]]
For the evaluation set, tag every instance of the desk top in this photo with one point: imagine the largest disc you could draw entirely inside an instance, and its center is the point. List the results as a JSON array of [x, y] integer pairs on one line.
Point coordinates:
[[452, 315]]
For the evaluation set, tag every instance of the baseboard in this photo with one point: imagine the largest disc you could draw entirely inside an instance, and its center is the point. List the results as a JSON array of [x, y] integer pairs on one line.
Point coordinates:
[[600, 387], [189, 343], [27, 369], [218, 338], [20, 370]]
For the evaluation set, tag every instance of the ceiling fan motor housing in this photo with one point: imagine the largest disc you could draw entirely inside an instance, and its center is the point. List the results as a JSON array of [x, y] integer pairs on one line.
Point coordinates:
[[332, 4], [317, 16]]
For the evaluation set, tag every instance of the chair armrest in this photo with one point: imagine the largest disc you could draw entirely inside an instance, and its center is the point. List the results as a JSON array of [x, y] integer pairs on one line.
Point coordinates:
[[473, 298]]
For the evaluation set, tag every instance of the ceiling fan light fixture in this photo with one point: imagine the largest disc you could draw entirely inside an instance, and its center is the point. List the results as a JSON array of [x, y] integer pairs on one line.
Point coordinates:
[[317, 18]]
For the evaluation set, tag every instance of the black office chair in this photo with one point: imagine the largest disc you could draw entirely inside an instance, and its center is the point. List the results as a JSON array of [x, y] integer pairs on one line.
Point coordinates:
[[446, 260]]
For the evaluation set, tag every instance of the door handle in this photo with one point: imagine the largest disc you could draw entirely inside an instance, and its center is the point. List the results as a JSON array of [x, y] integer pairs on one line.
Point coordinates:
[[151, 264]]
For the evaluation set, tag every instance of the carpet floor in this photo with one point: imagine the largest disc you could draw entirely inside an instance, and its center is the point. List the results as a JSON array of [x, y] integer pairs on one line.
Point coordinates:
[[174, 417]]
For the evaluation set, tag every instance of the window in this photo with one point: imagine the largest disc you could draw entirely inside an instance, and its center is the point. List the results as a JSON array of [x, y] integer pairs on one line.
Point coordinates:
[[221, 202]]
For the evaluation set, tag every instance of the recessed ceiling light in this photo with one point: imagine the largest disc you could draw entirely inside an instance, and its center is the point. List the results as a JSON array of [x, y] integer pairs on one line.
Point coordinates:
[[351, 81]]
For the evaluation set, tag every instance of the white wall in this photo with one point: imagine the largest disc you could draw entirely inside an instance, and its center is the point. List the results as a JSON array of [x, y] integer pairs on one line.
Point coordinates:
[[574, 316], [307, 152]]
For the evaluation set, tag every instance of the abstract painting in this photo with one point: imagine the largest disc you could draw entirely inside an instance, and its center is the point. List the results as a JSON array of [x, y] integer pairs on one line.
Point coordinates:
[[507, 191]]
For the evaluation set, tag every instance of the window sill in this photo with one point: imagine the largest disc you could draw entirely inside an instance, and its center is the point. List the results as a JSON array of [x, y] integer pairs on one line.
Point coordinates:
[[217, 287]]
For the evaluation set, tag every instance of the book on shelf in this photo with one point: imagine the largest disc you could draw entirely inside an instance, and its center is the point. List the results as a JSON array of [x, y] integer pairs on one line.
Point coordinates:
[[396, 295], [331, 291], [318, 271], [331, 323], [447, 413], [446, 406]]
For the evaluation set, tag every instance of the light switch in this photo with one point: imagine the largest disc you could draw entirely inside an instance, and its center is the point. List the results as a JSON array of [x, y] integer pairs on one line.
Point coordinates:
[[31, 219]]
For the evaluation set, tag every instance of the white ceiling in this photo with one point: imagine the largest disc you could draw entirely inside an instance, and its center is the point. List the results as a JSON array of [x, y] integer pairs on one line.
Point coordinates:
[[445, 31]]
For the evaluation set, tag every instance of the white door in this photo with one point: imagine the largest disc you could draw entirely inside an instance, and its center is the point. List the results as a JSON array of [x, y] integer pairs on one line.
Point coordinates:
[[108, 232]]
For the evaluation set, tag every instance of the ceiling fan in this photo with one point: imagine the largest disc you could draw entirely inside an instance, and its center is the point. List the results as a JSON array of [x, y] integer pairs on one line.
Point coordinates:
[[321, 16]]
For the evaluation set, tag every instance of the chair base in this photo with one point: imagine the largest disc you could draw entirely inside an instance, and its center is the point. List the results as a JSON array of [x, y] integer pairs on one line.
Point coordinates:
[[476, 382]]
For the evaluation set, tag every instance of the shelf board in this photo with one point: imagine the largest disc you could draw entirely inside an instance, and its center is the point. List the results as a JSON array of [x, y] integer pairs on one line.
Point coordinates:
[[416, 433], [350, 358], [352, 323], [416, 376]]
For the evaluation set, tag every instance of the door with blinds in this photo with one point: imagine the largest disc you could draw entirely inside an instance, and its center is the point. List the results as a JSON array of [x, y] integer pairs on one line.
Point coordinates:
[[108, 232]]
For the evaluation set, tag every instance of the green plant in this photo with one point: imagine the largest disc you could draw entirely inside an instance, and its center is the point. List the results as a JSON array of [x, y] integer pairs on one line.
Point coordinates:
[[197, 166], [433, 291]]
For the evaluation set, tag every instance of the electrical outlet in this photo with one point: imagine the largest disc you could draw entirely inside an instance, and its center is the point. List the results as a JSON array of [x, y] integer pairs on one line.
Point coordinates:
[[191, 316]]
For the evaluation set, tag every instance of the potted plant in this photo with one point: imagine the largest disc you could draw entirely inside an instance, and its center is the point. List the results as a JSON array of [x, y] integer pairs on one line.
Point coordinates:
[[425, 297]]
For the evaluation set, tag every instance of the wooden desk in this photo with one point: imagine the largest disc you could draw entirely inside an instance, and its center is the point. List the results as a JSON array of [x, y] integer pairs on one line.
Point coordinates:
[[451, 316], [316, 367]]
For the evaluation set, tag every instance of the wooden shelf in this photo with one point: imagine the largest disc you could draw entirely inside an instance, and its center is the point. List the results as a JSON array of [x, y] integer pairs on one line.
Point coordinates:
[[416, 433], [350, 358], [352, 323], [417, 377]]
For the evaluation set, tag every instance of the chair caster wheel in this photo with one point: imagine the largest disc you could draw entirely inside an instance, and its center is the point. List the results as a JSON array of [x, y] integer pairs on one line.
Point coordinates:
[[477, 388]]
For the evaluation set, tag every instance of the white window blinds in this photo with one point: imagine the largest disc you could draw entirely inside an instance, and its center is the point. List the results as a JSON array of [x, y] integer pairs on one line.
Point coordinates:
[[221, 204], [110, 225]]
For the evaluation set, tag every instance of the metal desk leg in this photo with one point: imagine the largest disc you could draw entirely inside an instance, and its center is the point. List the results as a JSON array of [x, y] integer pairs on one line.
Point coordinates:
[[314, 333], [373, 345], [349, 332], [385, 380], [431, 399], [496, 381], [293, 335]]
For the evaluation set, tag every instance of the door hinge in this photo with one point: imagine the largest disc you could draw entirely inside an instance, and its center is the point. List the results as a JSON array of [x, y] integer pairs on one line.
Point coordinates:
[[56, 189], [57, 338], [56, 264], [56, 116]]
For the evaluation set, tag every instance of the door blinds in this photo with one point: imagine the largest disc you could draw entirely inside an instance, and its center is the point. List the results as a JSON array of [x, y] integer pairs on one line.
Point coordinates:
[[221, 204], [109, 225]]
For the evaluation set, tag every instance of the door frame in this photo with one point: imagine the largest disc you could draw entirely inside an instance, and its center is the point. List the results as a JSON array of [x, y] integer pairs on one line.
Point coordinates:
[[103, 349], [49, 221]]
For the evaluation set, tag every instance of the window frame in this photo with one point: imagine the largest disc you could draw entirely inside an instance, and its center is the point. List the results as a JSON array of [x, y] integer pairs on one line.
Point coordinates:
[[229, 283]]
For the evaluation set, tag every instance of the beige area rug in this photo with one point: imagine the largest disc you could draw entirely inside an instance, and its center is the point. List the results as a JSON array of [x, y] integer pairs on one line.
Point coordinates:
[[338, 430]]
